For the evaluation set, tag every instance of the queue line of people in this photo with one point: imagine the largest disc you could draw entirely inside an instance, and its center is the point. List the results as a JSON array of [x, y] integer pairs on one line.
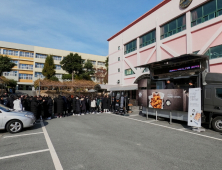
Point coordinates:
[[61, 106]]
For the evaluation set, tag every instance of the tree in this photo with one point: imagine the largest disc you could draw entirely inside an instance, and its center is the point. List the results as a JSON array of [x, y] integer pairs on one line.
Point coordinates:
[[67, 76], [72, 63], [54, 78], [100, 74], [88, 67], [5, 64], [107, 69], [49, 67], [11, 83]]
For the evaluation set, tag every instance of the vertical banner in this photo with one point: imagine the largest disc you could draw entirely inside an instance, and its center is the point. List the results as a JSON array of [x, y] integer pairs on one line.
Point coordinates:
[[194, 111]]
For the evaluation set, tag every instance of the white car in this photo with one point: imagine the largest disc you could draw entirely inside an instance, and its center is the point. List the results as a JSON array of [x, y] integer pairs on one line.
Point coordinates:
[[14, 121]]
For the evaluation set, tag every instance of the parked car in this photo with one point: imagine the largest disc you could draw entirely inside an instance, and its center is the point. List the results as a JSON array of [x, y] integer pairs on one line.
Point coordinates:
[[14, 121]]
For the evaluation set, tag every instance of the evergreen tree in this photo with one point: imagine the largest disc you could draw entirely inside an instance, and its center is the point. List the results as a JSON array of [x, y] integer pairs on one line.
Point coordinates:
[[49, 67], [5, 64]]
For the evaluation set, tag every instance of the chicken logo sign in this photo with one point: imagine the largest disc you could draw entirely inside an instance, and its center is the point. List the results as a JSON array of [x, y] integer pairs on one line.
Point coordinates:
[[185, 3]]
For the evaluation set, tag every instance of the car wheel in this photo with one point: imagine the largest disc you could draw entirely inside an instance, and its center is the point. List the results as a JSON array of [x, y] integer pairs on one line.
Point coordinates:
[[14, 126], [217, 123]]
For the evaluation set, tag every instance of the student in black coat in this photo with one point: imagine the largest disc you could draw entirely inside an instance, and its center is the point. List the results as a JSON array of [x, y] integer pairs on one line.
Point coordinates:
[[55, 105], [74, 105], [83, 106], [50, 105], [11, 100], [109, 103], [87, 102], [34, 107], [78, 108], [69, 103], [60, 105], [64, 105], [105, 104]]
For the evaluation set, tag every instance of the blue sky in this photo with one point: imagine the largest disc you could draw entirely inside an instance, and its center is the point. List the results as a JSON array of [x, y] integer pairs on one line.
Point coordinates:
[[73, 25]]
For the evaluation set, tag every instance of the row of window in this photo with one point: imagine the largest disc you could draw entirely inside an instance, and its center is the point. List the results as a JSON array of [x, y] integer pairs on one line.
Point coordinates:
[[26, 66], [25, 76], [199, 15], [40, 75], [101, 63], [93, 62], [206, 12], [57, 58], [41, 65], [18, 53], [11, 73], [42, 56]]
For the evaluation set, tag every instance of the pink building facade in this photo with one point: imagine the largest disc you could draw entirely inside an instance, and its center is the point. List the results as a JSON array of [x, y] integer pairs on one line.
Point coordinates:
[[168, 30]]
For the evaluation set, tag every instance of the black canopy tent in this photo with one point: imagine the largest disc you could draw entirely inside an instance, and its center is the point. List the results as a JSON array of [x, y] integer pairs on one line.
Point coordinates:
[[182, 66]]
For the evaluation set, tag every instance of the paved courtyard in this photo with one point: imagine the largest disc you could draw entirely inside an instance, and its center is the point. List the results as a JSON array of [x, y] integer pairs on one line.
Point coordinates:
[[110, 142]]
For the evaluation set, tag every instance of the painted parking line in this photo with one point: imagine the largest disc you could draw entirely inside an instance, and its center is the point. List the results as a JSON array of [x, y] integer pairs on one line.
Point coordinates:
[[22, 135], [52, 151], [133, 115], [185, 131], [22, 154]]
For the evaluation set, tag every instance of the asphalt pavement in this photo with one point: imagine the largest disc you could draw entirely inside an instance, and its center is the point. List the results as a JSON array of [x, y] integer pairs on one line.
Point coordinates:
[[110, 142]]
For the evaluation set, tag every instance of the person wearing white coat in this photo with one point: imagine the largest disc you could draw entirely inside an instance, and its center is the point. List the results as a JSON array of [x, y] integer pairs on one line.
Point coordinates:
[[17, 105], [93, 106]]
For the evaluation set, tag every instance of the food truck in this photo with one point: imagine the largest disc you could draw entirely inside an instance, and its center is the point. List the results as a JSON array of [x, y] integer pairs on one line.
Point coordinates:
[[175, 102]]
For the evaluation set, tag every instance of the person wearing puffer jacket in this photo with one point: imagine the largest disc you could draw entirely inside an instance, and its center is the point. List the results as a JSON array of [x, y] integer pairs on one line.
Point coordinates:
[[93, 105]]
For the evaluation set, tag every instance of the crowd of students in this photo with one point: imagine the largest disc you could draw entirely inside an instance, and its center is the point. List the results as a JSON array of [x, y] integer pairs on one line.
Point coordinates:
[[61, 106]]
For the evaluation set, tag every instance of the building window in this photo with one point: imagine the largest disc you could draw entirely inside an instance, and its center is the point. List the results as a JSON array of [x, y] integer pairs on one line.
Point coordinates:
[[101, 63], [93, 78], [131, 46], [173, 27], [42, 56], [10, 52], [93, 62], [58, 67], [39, 65], [129, 72], [25, 76], [148, 38], [16, 62], [57, 58], [219, 93], [118, 58], [83, 61], [26, 66], [26, 54], [206, 12], [118, 69], [118, 47], [214, 52], [59, 76], [39, 75], [11, 73]]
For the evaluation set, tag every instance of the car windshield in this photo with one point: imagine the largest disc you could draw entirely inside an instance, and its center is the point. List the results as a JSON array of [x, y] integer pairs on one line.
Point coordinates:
[[4, 108]]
